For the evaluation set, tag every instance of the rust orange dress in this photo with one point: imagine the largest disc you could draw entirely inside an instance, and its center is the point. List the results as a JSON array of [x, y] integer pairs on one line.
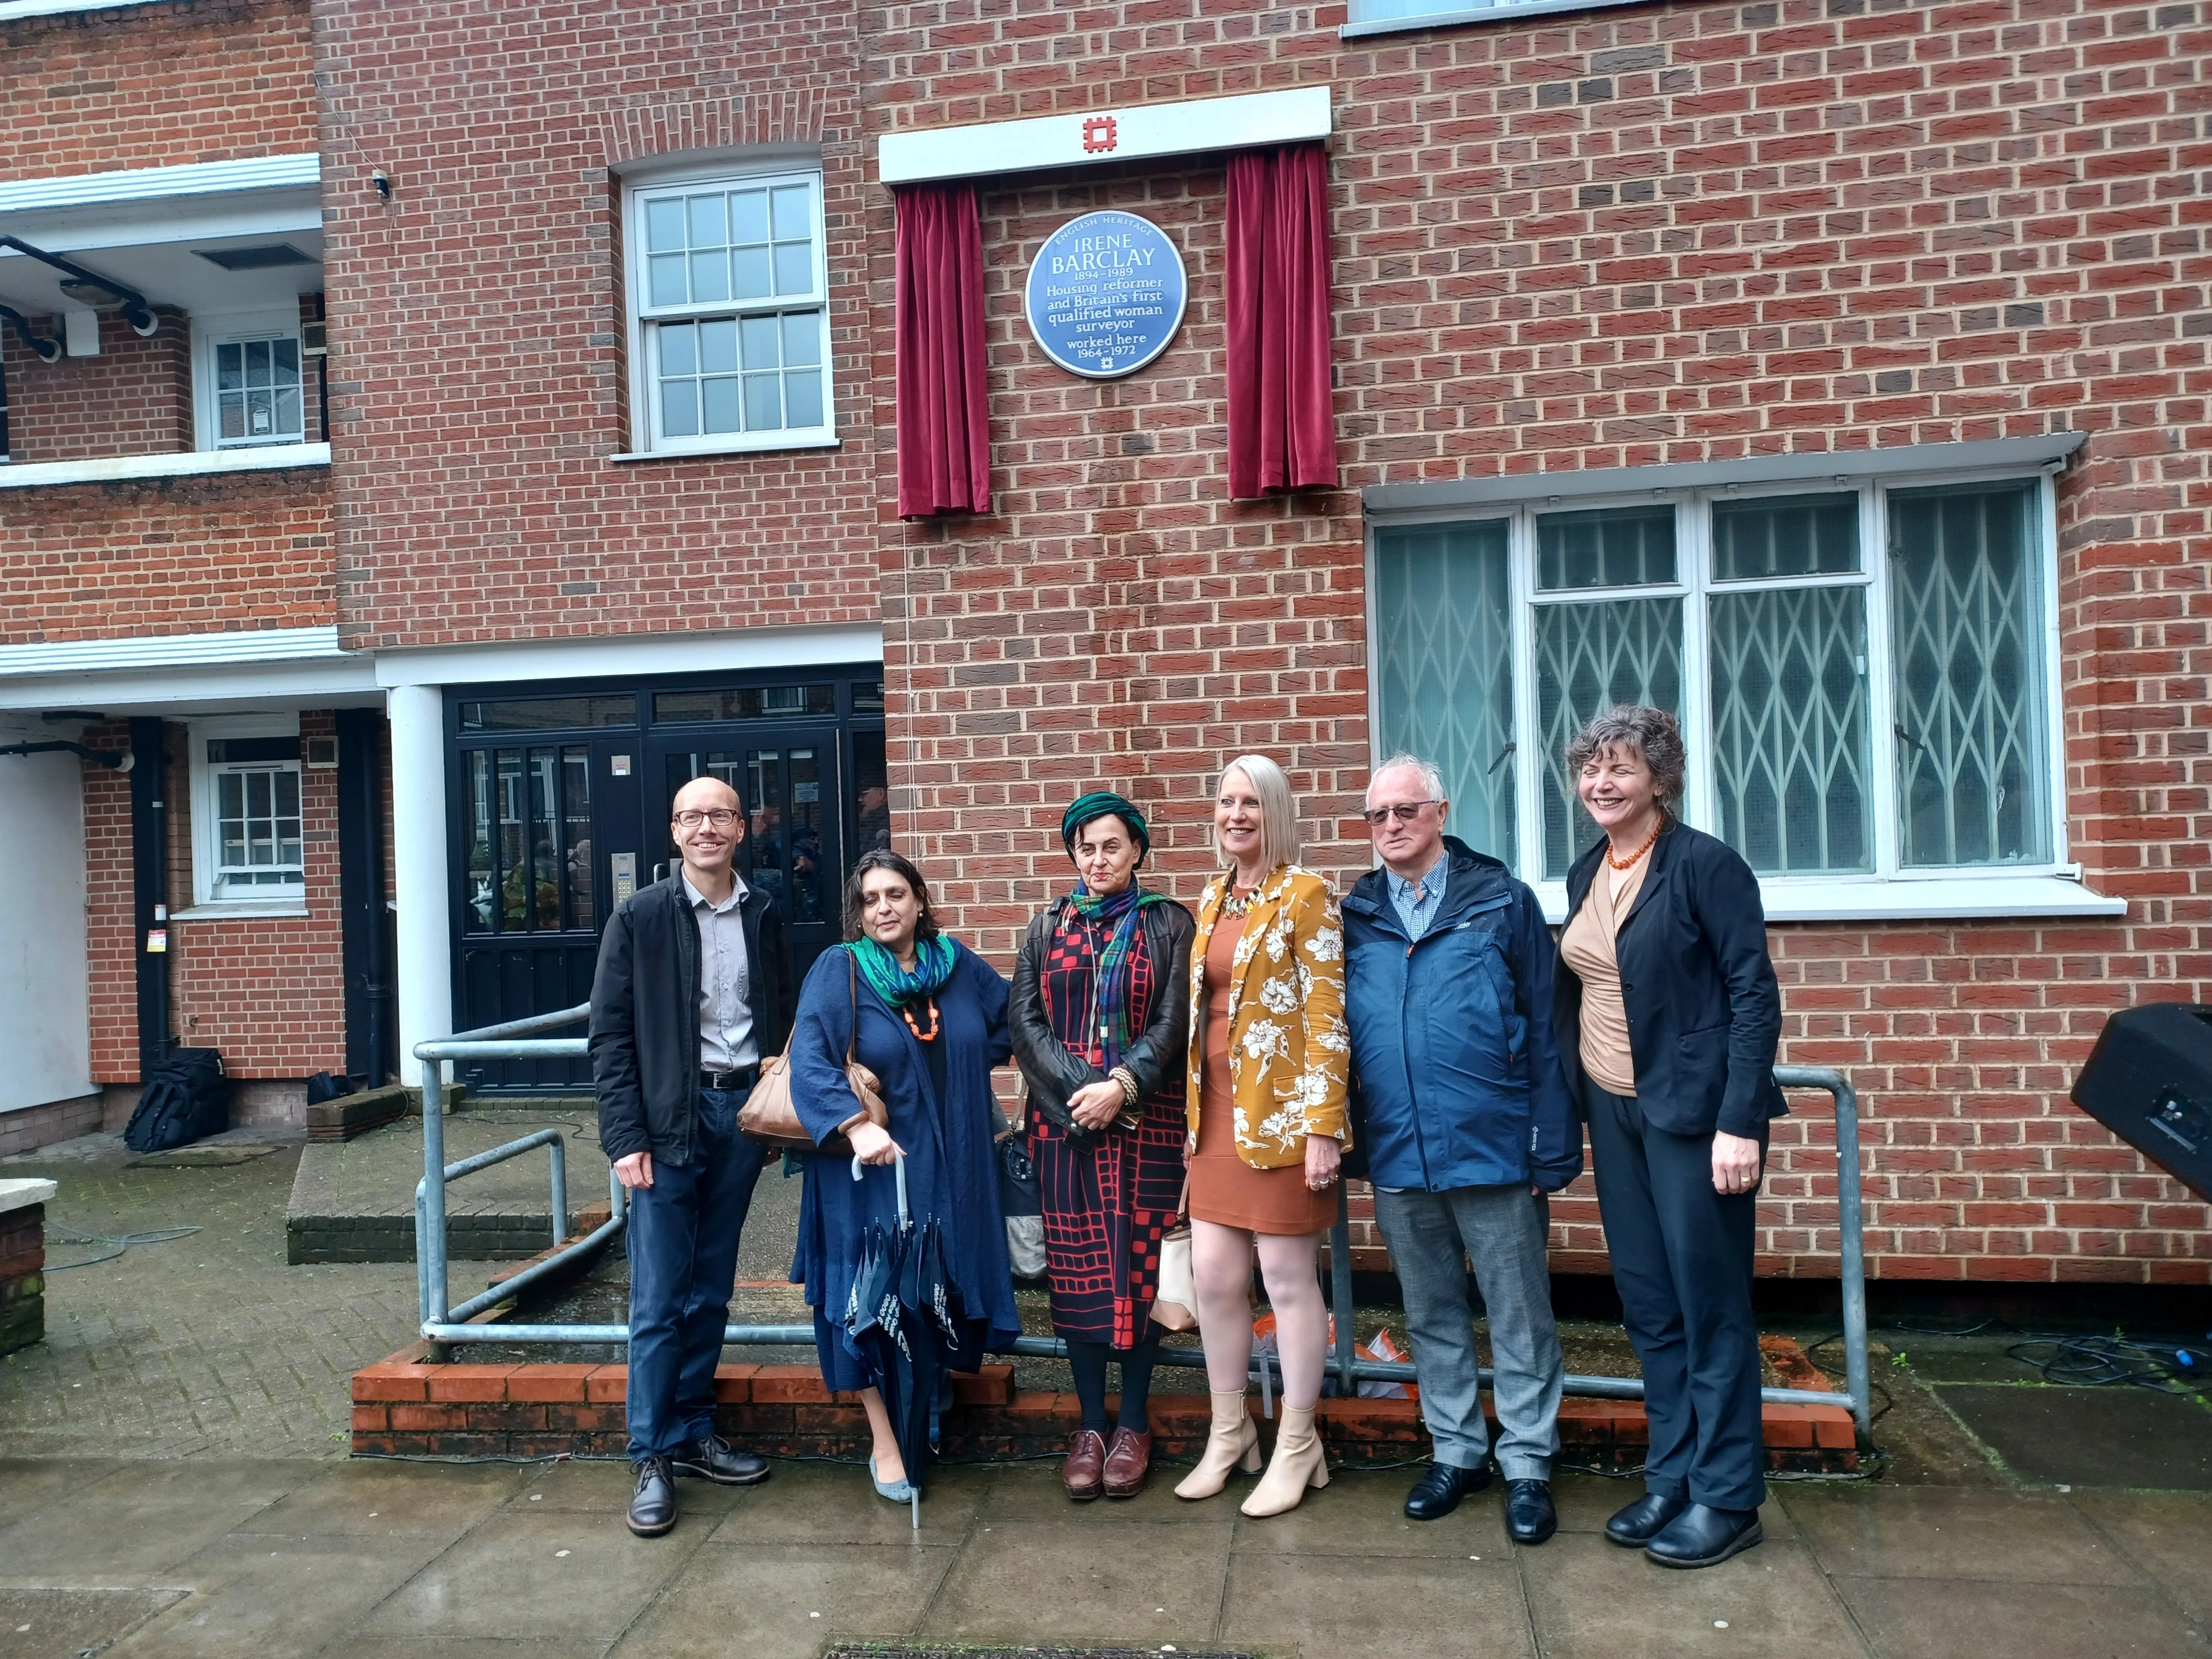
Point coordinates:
[[1224, 1188]]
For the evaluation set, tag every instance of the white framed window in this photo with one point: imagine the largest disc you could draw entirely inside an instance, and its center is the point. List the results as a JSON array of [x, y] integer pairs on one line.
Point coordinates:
[[729, 283], [249, 379], [248, 829], [1865, 673]]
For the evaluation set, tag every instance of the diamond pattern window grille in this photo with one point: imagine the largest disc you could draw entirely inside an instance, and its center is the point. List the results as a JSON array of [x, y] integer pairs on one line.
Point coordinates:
[[1589, 657], [1785, 536], [1972, 753], [1443, 668], [1790, 728]]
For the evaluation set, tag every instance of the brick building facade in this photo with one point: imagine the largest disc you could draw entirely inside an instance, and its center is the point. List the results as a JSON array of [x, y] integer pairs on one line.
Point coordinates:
[[1679, 283]]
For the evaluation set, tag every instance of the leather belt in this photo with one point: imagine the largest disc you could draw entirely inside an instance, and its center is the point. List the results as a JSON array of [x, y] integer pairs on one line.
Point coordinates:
[[742, 1077]]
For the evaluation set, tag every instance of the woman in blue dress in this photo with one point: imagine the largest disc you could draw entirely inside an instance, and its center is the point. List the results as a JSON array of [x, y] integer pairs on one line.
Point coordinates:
[[931, 1026]]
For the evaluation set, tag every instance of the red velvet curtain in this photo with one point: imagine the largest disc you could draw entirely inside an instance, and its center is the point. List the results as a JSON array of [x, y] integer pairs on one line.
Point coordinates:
[[943, 424], [1282, 428]]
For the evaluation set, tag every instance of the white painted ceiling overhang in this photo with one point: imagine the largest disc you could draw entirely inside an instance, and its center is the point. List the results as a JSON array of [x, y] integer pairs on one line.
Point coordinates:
[[1096, 136], [148, 227]]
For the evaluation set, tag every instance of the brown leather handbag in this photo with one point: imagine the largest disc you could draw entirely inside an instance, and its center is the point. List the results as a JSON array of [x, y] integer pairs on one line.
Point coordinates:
[[767, 1115]]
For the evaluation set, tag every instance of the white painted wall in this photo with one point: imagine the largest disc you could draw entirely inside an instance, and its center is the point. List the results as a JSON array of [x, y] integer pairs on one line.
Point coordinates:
[[46, 1046], [419, 872]]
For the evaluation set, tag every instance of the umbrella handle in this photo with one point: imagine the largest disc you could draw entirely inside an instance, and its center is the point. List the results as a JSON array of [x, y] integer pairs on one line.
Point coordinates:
[[900, 1160]]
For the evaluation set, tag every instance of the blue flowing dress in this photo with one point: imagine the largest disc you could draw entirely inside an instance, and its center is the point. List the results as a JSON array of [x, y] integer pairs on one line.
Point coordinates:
[[952, 1161]]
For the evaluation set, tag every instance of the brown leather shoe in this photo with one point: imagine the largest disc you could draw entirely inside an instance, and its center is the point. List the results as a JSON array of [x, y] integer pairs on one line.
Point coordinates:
[[1128, 1460], [1086, 1463]]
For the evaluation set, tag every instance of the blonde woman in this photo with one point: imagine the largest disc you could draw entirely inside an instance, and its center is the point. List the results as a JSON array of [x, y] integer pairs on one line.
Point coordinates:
[[1266, 1125]]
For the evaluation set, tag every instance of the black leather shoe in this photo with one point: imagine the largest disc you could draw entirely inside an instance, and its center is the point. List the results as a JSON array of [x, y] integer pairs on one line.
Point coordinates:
[[1699, 1537], [1529, 1517], [1643, 1520], [652, 1506], [716, 1460], [1440, 1490]]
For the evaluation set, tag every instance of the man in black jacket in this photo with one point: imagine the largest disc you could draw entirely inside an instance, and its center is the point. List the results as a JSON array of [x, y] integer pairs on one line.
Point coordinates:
[[690, 996]]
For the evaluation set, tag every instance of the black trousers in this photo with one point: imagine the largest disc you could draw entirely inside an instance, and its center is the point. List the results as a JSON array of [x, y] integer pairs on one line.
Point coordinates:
[[1681, 1260]]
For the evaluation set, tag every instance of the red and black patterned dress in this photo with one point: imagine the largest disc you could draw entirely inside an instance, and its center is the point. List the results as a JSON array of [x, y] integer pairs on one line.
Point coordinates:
[[1106, 1205]]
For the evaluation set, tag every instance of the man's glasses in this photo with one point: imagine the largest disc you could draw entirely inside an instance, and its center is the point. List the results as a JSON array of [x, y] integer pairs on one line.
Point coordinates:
[[721, 817], [1404, 811]]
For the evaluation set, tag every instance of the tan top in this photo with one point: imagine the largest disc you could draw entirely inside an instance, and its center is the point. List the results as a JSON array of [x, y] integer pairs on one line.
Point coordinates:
[[1588, 946]]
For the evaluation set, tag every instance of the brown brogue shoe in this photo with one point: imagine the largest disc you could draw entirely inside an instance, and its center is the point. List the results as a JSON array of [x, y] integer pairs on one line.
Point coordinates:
[[1128, 1460], [1084, 1473]]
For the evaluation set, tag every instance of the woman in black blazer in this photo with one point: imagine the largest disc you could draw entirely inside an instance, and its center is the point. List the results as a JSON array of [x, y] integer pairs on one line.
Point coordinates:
[[1667, 1014]]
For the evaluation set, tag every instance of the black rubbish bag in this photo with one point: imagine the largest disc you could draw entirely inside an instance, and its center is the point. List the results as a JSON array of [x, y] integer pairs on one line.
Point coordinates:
[[186, 1099]]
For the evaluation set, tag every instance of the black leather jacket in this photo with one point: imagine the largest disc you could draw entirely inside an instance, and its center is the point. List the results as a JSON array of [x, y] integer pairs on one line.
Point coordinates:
[[1156, 1056]]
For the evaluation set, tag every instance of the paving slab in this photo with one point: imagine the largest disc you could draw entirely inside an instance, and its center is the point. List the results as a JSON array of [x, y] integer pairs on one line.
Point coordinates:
[[784, 1601], [384, 1499], [827, 1504], [1938, 1532], [254, 1594], [2106, 1437], [61, 1624], [1593, 1599], [1928, 1619], [2167, 1534], [1057, 1581], [1321, 1607], [138, 1522]]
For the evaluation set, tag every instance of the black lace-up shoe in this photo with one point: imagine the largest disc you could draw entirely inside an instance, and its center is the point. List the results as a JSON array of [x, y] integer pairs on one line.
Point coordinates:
[[652, 1506], [1529, 1517], [1640, 1522], [716, 1460], [1440, 1491], [1702, 1537]]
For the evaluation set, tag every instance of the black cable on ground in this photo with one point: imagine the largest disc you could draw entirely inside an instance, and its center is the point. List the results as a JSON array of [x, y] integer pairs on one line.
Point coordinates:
[[77, 1235]]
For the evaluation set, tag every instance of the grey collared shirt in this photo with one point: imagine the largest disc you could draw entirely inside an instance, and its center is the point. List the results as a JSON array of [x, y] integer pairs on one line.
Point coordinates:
[[1419, 900], [725, 1010]]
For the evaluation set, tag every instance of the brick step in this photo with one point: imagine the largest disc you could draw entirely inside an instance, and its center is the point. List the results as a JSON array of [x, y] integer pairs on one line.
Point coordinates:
[[402, 1405]]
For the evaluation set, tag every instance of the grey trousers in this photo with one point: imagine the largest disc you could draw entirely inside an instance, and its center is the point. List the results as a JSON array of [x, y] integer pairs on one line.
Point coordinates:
[[1502, 1230]]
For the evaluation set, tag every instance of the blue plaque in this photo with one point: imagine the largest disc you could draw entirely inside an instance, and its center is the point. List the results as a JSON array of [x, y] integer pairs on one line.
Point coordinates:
[[1105, 294]]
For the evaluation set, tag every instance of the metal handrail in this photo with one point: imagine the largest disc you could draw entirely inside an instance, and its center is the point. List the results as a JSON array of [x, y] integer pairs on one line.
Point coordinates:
[[441, 1325]]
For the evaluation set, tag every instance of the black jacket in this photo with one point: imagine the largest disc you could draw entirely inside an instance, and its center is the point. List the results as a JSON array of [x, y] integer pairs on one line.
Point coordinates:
[[1705, 1013], [1155, 1056], [645, 1014]]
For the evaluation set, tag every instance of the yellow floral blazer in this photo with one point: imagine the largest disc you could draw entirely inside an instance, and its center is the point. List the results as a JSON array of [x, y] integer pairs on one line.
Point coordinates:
[[1289, 1054]]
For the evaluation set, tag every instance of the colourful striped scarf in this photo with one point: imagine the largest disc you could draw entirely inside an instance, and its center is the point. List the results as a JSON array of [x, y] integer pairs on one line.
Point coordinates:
[[1110, 979]]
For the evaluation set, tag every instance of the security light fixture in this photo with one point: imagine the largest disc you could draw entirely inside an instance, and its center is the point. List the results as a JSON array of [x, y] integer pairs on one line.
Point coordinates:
[[267, 256]]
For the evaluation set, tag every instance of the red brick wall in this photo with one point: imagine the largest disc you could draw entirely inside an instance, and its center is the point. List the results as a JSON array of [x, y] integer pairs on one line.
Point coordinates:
[[135, 398], [1665, 233], [188, 556], [477, 374], [149, 86], [268, 993]]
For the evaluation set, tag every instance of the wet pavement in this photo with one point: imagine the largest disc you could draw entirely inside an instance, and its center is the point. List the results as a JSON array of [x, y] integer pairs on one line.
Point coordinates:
[[172, 1481]]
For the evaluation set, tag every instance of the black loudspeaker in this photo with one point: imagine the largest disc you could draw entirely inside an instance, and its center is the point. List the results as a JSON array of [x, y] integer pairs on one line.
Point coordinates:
[[2149, 1081]]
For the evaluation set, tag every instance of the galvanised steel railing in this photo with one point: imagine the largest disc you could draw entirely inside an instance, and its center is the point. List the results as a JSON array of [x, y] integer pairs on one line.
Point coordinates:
[[442, 1324]]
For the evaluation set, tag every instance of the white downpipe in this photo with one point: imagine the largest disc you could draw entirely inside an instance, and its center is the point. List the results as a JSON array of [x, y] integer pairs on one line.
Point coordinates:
[[419, 877]]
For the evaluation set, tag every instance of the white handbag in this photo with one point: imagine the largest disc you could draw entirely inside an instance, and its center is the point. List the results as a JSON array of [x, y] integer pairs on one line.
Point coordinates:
[[1175, 1308]]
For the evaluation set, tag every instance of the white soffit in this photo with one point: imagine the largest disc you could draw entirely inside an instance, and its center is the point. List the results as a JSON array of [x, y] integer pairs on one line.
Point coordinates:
[[1090, 136], [176, 674], [253, 645], [84, 189], [631, 654]]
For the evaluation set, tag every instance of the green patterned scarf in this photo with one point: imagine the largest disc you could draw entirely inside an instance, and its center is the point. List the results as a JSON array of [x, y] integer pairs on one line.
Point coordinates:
[[1109, 980], [933, 962]]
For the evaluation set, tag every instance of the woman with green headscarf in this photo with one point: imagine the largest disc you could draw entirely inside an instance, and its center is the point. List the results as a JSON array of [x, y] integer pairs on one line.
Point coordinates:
[[1100, 1023]]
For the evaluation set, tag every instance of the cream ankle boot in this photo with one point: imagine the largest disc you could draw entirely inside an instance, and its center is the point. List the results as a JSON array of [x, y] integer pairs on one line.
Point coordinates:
[[1299, 1463], [1233, 1444]]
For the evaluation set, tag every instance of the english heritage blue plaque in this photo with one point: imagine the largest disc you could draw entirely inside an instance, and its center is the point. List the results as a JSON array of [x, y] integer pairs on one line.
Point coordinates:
[[1105, 294]]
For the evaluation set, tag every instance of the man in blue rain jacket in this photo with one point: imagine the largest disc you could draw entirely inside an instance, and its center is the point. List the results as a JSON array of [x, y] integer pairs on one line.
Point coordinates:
[[1468, 1125]]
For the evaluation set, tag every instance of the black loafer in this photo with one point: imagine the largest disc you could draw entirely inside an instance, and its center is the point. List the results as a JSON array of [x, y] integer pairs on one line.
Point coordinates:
[[1643, 1520], [652, 1505], [1700, 1537], [715, 1459], [1529, 1517], [1440, 1491]]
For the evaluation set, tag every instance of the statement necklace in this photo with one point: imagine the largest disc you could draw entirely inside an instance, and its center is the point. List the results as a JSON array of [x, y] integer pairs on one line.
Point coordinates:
[[936, 1021], [1629, 863], [1236, 901]]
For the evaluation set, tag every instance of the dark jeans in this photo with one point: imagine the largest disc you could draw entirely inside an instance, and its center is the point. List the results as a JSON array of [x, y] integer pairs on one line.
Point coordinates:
[[1682, 1259], [682, 1263]]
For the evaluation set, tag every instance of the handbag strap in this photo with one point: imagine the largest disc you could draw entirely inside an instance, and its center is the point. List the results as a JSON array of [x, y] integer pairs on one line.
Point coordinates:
[[853, 984], [1182, 1204]]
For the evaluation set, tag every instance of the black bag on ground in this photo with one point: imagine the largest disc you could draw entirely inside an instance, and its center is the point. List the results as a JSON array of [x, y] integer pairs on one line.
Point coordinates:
[[323, 1087], [186, 1099]]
